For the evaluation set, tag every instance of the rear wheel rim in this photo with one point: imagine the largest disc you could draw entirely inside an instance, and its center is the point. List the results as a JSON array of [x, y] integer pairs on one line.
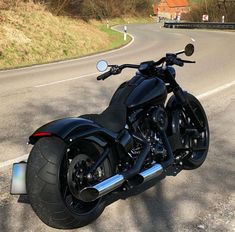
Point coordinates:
[[71, 201]]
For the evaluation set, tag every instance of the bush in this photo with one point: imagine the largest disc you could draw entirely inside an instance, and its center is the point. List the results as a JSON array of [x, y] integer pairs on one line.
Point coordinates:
[[90, 9], [214, 8], [87, 9]]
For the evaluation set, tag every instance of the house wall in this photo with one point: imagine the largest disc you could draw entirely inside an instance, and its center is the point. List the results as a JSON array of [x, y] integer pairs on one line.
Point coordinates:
[[170, 12]]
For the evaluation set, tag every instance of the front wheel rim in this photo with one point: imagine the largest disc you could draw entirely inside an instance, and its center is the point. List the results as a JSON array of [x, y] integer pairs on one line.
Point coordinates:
[[195, 147]]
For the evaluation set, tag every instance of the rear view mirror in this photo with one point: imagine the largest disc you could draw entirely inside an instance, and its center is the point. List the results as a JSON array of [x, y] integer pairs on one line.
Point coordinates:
[[189, 49], [102, 65]]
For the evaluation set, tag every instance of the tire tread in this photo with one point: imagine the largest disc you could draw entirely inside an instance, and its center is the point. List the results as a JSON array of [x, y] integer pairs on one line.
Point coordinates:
[[43, 187]]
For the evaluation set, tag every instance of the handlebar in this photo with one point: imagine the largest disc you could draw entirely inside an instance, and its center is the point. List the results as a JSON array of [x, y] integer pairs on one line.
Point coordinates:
[[178, 62], [159, 62], [104, 76], [170, 59], [129, 66], [115, 69], [189, 61]]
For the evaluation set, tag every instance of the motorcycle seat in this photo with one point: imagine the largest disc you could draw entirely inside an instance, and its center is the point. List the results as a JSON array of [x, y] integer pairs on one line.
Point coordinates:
[[113, 118]]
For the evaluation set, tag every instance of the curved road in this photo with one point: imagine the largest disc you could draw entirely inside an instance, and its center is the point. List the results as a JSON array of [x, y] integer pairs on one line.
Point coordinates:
[[201, 200]]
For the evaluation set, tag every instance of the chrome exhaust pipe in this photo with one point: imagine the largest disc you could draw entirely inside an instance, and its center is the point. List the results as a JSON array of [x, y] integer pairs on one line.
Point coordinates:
[[155, 171], [89, 194], [92, 193]]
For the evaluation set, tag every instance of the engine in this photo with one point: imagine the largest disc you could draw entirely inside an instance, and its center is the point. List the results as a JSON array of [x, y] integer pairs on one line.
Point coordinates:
[[150, 126]]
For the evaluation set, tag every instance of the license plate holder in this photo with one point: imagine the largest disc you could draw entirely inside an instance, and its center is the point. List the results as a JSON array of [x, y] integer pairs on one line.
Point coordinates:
[[18, 181]]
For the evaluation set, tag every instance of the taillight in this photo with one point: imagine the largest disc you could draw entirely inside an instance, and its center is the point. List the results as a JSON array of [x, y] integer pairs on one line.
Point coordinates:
[[41, 134]]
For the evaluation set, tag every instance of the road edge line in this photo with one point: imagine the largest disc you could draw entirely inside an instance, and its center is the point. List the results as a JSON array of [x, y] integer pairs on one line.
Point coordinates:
[[216, 90], [66, 80], [12, 161]]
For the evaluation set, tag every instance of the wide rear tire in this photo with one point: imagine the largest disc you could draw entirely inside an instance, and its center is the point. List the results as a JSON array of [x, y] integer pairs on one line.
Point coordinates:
[[43, 183]]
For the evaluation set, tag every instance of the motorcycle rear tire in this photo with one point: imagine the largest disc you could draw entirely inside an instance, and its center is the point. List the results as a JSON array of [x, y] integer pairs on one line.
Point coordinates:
[[44, 187]]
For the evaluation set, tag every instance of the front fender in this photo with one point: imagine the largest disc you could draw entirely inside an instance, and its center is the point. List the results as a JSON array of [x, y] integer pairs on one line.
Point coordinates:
[[71, 129]]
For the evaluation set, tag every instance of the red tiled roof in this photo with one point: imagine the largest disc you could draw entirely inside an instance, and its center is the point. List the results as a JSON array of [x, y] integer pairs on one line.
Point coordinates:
[[177, 3]]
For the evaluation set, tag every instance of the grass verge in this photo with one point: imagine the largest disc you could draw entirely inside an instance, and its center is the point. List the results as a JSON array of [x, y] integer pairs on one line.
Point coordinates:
[[29, 35]]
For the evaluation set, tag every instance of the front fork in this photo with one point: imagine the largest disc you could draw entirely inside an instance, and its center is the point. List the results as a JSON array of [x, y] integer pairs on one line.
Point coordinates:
[[181, 97]]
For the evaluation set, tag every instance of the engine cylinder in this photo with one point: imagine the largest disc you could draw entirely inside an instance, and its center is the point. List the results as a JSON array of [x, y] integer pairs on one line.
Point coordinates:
[[158, 117]]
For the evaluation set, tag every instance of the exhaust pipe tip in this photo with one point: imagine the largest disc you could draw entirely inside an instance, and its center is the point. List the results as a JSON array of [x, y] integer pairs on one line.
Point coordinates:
[[136, 180], [149, 174], [89, 194]]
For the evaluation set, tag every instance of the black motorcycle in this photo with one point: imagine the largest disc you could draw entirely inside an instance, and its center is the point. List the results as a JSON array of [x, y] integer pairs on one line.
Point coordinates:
[[76, 164]]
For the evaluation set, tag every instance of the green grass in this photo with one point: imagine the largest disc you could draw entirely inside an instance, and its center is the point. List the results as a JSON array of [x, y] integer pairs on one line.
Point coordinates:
[[31, 35], [193, 2], [116, 38]]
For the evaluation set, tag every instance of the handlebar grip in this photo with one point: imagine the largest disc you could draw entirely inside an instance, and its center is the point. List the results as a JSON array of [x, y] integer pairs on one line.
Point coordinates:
[[104, 76], [189, 61]]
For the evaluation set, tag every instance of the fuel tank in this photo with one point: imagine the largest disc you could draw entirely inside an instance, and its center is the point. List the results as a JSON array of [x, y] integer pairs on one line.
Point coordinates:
[[140, 91]]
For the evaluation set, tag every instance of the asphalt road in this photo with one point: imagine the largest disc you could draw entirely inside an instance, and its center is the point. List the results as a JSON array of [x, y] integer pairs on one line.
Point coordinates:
[[200, 200]]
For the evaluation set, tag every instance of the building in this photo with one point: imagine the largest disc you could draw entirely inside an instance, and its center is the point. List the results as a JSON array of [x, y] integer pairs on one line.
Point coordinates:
[[171, 9]]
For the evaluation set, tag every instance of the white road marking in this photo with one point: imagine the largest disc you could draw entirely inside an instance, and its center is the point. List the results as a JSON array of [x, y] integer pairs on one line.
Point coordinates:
[[216, 90], [87, 75], [193, 39], [201, 96], [77, 59], [65, 80], [12, 161]]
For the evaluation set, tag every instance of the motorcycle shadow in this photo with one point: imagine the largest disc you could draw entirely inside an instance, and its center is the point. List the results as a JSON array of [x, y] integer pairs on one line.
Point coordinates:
[[123, 195], [24, 199]]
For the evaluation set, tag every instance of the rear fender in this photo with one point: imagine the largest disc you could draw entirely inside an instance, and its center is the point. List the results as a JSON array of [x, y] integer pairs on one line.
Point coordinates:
[[73, 129]]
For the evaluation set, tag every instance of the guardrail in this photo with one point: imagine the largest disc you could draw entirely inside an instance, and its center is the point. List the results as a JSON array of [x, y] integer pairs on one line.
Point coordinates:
[[206, 25]]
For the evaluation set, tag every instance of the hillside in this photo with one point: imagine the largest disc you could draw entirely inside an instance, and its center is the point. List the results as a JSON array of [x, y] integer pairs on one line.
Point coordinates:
[[30, 34]]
